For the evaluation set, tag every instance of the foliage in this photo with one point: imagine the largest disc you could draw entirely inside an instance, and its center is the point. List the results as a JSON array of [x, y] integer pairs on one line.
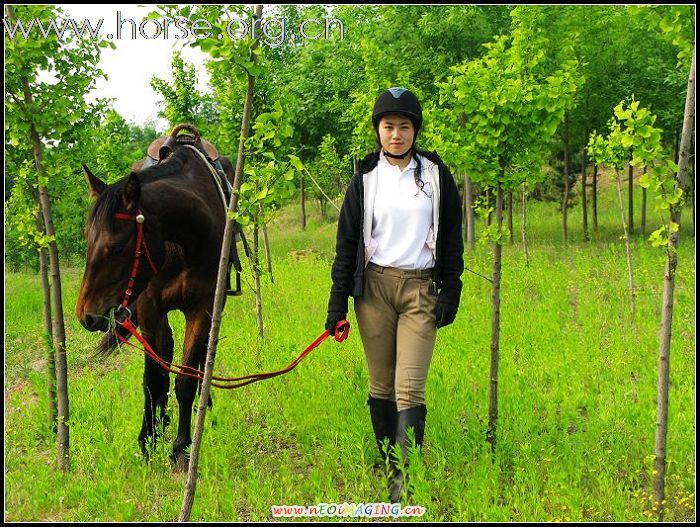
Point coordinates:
[[633, 136], [182, 102], [331, 171], [268, 182]]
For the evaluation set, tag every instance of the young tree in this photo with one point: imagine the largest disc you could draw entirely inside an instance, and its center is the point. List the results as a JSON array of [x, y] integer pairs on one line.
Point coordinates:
[[513, 103], [182, 102], [268, 185], [40, 111], [668, 180], [629, 127], [329, 172]]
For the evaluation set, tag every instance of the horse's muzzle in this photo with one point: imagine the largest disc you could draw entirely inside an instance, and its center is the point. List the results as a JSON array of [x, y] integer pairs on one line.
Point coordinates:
[[94, 322]]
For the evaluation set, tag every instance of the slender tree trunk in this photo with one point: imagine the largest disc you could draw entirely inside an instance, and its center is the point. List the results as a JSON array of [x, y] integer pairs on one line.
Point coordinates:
[[256, 277], [667, 310], [676, 143], [58, 325], [488, 204], [510, 215], [527, 254], [469, 212], [219, 296], [303, 204], [565, 197], [644, 208], [584, 192], [48, 330], [627, 240], [595, 197], [495, 327], [268, 253], [690, 180], [630, 197]]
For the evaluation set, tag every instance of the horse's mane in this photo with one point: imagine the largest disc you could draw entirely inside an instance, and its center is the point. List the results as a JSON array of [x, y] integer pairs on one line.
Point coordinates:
[[110, 200]]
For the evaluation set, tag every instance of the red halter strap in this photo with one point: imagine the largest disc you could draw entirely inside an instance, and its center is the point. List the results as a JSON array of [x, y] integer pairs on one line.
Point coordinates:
[[140, 242]]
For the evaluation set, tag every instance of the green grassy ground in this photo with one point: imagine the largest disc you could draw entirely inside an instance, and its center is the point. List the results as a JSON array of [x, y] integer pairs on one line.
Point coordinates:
[[577, 396]]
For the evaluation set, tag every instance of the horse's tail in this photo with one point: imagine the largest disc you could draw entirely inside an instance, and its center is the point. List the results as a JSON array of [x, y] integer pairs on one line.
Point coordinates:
[[110, 341]]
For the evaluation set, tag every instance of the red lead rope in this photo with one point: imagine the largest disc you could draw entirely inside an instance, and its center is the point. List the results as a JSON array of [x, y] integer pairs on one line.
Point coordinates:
[[341, 333], [341, 329]]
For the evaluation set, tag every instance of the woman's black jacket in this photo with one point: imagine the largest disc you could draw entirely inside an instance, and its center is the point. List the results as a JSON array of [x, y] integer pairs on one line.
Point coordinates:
[[348, 268]]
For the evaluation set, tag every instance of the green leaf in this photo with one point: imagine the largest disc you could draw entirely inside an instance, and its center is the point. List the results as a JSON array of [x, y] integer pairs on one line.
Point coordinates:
[[296, 162]]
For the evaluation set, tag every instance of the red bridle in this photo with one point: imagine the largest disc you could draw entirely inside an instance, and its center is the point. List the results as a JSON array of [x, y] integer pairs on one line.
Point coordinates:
[[341, 332], [139, 218]]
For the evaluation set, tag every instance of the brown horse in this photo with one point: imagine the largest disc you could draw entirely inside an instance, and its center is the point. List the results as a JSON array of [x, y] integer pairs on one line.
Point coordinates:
[[183, 221]]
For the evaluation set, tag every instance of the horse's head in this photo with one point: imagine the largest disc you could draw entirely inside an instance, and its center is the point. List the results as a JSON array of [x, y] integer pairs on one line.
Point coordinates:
[[112, 235]]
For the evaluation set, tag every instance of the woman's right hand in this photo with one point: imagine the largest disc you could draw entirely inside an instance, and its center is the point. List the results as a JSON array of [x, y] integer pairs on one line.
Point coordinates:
[[333, 318]]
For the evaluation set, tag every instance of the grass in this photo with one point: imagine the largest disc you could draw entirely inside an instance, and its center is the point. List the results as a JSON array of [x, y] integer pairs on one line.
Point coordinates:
[[577, 396]]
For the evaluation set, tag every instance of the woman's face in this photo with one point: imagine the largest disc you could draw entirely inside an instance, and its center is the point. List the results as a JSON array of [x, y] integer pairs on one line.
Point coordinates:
[[396, 133]]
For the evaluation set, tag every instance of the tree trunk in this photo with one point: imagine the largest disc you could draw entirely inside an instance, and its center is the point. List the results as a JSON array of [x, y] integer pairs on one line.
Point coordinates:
[[268, 253], [676, 143], [219, 296], [469, 212], [630, 198], [488, 205], [627, 240], [58, 329], [584, 193], [565, 197], [644, 208], [303, 204], [527, 254], [510, 215], [256, 277], [595, 197], [495, 327], [48, 330], [667, 312]]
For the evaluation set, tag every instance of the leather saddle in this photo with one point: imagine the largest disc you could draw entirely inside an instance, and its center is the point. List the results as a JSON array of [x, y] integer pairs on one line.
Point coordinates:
[[162, 147]]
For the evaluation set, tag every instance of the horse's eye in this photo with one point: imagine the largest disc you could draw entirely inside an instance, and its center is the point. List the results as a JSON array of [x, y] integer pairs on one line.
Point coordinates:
[[116, 249]]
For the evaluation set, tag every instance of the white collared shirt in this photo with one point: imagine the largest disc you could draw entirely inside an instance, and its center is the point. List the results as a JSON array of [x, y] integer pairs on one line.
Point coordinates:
[[402, 218]]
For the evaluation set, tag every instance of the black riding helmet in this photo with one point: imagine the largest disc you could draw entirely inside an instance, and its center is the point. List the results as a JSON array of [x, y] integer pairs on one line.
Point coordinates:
[[402, 101]]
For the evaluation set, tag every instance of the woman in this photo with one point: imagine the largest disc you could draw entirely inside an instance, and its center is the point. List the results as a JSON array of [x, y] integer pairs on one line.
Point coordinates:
[[399, 254]]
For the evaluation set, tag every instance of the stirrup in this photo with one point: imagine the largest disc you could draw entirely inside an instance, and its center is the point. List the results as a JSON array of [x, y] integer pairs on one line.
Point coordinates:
[[234, 292]]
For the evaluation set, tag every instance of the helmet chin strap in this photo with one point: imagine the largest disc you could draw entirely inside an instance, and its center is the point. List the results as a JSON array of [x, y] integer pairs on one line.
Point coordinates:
[[401, 156]]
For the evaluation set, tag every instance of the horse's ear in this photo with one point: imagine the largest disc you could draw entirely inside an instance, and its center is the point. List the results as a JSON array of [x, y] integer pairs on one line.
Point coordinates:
[[131, 191], [96, 185]]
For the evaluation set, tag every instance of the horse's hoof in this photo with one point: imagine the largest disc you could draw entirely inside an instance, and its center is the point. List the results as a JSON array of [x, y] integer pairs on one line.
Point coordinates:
[[180, 461], [145, 450], [181, 464]]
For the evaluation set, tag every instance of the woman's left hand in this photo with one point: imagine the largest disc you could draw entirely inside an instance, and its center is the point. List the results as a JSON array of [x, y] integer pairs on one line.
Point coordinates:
[[445, 314]]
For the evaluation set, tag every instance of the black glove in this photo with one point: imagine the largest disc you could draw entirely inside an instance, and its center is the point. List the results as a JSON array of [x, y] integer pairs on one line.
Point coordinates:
[[445, 314], [333, 318]]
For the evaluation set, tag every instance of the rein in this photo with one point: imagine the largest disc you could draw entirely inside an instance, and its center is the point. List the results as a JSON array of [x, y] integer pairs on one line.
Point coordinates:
[[341, 330], [140, 243]]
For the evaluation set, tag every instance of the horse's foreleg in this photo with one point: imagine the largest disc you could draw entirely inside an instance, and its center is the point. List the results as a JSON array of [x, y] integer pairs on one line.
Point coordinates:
[[196, 336], [156, 383]]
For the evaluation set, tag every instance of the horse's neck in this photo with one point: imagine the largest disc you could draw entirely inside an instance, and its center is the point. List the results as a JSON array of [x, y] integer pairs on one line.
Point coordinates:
[[183, 217]]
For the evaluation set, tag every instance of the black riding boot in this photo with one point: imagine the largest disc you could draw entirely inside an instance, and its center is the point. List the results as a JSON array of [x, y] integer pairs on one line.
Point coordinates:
[[410, 418], [384, 418]]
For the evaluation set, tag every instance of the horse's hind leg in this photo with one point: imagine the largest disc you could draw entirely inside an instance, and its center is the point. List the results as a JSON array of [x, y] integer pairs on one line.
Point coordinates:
[[156, 383], [196, 337]]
